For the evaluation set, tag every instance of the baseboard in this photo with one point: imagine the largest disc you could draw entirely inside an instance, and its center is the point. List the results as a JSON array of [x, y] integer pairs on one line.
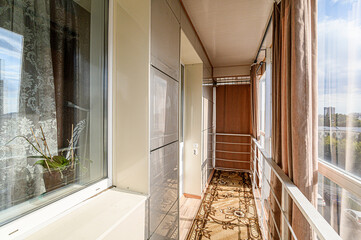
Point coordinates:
[[191, 196], [208, 181], [210, 177]]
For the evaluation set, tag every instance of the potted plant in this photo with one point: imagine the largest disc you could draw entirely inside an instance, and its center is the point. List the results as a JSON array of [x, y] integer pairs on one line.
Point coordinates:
[[58, 170]]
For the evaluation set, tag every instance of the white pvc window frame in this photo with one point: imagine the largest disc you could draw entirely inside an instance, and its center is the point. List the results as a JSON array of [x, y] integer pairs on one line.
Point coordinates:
[[341, 177], [34, 221]]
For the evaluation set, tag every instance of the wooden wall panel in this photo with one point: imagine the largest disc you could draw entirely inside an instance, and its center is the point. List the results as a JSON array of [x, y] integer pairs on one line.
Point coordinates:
[[234, 109], [234, 117]]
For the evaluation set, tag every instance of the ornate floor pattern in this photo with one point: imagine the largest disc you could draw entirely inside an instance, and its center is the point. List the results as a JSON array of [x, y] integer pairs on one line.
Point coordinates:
[[228, 209]]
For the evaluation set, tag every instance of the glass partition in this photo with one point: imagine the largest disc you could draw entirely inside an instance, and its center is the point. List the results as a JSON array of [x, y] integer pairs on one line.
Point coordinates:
[[339, 74], [339, 110], [52, 101]]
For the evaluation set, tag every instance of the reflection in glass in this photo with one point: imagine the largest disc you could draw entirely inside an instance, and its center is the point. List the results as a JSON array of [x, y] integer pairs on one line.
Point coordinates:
[[339, 77], [339, 110], [340, 208], [52, 98], [11, 51]]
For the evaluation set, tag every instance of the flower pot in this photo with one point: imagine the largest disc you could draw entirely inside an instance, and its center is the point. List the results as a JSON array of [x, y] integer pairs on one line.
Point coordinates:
[[56, 179]]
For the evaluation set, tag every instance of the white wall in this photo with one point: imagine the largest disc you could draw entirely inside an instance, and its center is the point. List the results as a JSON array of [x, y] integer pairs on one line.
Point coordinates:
[[131, 53], [193, 128]]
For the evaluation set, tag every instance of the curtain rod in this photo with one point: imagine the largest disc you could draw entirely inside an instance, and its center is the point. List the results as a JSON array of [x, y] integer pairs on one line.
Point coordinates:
[[263, 38]]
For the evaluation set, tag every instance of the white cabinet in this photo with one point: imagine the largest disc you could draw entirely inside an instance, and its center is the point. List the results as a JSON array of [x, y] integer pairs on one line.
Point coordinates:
[[165, 39], [163, 183], [163, 109]]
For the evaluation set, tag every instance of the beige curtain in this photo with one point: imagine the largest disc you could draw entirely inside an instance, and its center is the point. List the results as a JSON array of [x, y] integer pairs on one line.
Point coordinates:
[[294, 100], [254, 101]]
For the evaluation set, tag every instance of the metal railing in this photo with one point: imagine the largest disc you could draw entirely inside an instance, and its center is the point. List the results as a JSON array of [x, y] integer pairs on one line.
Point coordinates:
[[262, 168], [230, 143]]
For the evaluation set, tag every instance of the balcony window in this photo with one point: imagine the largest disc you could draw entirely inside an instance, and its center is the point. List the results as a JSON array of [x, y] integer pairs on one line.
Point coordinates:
[[53, 101], [262, 108], [339, 110], [264, 104]]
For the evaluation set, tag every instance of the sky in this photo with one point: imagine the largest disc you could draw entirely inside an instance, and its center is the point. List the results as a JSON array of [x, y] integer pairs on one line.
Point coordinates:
[[339, 55], [11, 45]]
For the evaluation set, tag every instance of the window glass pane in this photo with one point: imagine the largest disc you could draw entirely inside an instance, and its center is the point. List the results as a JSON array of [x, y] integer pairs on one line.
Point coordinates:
[[52, 101], [262, 108], [340, 208], [339, 77]]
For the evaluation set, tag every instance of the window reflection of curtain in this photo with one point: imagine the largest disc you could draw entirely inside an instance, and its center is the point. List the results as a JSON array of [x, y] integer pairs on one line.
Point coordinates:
[[19, 178], [64, 43], [70, 44]]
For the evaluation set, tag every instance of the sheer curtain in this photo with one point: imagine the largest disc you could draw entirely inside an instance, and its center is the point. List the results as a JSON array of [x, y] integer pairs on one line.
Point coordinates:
[[339, 111], [35, 101]]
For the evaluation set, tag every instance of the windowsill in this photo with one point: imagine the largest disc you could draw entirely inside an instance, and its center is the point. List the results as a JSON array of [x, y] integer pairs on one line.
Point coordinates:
[[110, 212], [37, 202]]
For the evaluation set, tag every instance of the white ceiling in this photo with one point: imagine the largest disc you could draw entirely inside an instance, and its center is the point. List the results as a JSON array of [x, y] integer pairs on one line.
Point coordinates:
[[230, 30]]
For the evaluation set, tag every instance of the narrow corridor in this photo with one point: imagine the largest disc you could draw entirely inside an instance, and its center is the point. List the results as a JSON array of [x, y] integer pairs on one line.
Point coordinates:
[[228, 209]]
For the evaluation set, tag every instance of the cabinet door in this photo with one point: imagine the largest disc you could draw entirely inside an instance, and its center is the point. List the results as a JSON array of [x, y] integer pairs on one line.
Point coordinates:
[[165, 39], [163, 109], [163, 183], [169, 228]]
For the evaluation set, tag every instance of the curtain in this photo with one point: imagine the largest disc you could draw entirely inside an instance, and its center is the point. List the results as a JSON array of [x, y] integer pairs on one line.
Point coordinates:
[[294, 100], [254, 101], [70, 47], [33, 100], [276, 123], [64, 47]]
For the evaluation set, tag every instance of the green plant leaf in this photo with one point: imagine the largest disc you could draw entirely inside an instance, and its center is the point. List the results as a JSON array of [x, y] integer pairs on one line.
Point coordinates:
[[54, 164], [40, 162], [35, 157], [60, 159]]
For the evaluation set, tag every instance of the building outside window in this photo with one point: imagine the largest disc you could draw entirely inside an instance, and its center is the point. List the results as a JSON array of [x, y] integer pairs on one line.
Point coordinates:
[[339, 111], [53, 101]]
